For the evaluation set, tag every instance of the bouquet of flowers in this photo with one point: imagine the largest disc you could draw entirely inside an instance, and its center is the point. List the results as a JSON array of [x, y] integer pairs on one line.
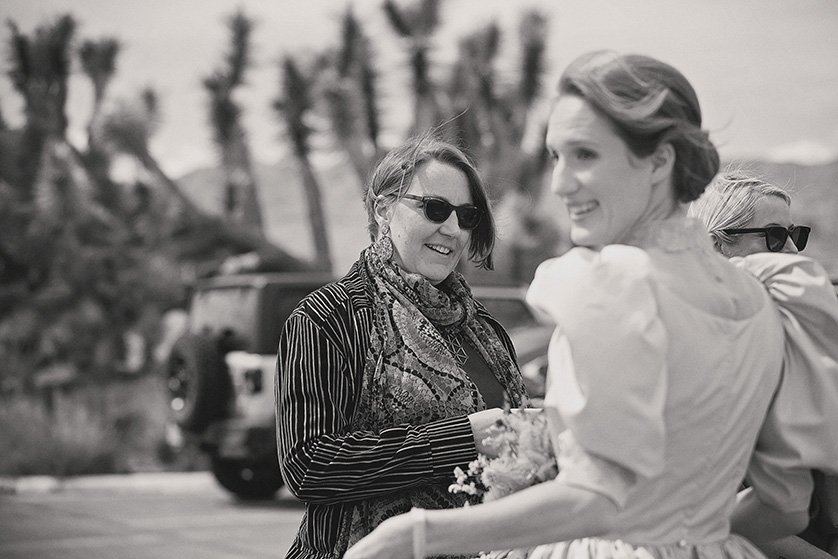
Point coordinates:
[[522, 455]]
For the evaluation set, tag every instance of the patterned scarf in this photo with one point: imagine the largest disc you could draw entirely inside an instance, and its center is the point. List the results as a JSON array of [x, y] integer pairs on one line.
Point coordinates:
[[412, 375]]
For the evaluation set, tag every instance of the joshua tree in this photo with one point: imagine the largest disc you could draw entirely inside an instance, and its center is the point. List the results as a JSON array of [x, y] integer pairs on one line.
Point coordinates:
[[69, 246], [241, 201], [98, 61], [40, 68], [170, 220], [495, 126], [493, 118], [50, 174], [77, 273], [417, 24], [128, 129], [294, 106], [348, 86]]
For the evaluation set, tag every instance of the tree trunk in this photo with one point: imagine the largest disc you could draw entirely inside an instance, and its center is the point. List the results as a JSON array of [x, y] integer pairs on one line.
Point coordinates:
[[316, 216], [241, 200]]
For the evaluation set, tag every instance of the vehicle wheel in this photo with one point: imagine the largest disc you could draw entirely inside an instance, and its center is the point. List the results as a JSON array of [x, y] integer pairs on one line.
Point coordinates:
[[197, 381], [248, 480]]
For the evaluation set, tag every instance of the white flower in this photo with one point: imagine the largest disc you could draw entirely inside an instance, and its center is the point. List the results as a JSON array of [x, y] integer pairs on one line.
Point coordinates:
[[522, 456]]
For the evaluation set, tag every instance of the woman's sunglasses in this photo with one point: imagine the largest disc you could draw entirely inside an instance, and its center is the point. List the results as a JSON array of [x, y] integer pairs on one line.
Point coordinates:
[[437, 210], [775, 237]]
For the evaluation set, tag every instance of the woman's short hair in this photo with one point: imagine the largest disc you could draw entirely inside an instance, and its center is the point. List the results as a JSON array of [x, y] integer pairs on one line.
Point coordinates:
[[730, 203], [649, 103], [392, 177]]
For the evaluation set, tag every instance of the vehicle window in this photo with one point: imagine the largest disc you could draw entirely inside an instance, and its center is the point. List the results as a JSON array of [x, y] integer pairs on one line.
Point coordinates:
[[227, 309], [279, 302]]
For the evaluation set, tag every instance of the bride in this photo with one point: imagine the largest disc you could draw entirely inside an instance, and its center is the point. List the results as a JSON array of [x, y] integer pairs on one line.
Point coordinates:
[[667, 378]]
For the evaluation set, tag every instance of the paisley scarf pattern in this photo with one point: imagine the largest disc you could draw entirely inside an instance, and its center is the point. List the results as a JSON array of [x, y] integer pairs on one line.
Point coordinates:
[[412, 375]]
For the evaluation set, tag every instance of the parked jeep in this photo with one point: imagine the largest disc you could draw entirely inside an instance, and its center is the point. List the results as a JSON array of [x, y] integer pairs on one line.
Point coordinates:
[[220, 375]]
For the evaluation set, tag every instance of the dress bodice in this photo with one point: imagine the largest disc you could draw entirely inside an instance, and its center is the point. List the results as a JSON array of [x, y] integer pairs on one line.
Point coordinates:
[[664, 364]]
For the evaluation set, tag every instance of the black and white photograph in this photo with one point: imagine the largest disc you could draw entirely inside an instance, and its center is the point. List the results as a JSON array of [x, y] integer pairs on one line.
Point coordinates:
[[408, 279]]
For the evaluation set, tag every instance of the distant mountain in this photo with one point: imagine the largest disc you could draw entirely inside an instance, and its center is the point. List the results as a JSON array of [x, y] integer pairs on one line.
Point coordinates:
[[814, 191], [285, 210]]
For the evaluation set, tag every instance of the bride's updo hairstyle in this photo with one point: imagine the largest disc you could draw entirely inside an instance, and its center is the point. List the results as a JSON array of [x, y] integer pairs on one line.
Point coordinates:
[[648, 103]]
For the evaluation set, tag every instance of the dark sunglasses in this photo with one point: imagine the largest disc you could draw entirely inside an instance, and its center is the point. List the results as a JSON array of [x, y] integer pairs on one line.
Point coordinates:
[[775, 237], [438, 210]]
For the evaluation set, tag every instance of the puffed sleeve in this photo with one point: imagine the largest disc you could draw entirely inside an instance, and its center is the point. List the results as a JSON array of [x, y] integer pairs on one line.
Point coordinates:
[[800, 432], [608, 355]]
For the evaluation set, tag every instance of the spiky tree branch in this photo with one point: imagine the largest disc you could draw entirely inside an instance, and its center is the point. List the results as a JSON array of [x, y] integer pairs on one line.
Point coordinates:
[[347, 85], [98, 60], [533, 35], [39, 71], [293, 107], [417, 24], [241, 201]]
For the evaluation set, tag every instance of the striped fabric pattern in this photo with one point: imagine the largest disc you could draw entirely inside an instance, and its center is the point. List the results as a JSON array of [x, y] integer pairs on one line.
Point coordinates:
[[324, 465]]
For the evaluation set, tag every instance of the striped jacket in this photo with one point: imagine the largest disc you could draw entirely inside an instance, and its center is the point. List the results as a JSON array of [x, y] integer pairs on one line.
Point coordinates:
[[322, 353]]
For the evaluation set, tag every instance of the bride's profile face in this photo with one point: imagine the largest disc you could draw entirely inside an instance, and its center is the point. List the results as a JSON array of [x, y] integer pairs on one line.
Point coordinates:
[[607, 190]]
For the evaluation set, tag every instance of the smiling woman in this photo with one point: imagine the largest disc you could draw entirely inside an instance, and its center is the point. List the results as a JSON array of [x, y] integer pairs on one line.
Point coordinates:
[[387, 377]]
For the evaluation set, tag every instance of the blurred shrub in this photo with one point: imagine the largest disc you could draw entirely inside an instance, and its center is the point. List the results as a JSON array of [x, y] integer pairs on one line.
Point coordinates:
[[70, 442], [95, 428]]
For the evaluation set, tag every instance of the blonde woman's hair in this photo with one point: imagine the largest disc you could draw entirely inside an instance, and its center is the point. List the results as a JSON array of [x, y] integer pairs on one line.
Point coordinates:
[[729, 202]]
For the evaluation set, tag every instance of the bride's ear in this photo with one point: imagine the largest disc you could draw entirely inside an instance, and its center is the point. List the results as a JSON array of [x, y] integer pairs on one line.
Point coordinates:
[[663, 161]]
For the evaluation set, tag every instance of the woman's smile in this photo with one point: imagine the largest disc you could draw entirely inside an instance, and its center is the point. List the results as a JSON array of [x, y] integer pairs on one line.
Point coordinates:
[[580, 210], [440, 249]]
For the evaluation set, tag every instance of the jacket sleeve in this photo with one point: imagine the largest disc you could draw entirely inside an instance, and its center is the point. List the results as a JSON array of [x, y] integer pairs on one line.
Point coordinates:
[[317, 383], [800, 432]]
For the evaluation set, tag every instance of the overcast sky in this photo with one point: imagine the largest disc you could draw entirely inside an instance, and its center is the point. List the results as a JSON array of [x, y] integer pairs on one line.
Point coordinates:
[[766, 71]]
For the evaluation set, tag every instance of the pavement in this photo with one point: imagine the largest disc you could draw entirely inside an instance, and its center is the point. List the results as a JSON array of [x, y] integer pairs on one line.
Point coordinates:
[[157, 482]]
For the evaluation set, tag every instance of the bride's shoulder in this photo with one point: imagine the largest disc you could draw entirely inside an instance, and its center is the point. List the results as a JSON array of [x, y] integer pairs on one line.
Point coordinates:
[[581, 259], [596, 268], [611, 278]]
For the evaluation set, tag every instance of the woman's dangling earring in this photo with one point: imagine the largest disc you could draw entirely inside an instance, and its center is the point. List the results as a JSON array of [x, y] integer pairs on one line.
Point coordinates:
[[385, 231]]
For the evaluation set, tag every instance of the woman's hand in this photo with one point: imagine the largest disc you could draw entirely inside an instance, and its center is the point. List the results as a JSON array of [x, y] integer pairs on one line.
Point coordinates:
[[393, 539], [481, 422]]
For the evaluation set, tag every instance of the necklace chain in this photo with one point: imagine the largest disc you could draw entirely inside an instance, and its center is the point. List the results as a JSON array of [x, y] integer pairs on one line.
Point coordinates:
[[455, 345]]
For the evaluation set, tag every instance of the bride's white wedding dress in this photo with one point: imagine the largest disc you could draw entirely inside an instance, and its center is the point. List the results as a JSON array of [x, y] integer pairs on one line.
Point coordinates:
[[667, 386]]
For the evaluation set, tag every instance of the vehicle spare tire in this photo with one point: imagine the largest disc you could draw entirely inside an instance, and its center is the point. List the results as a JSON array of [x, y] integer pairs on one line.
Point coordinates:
[[197, 382], [248, 479]]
